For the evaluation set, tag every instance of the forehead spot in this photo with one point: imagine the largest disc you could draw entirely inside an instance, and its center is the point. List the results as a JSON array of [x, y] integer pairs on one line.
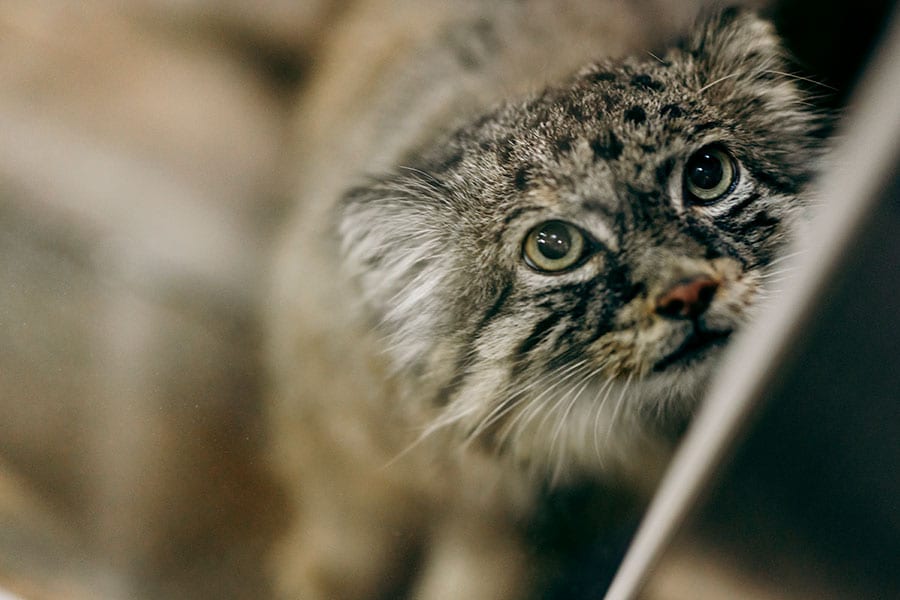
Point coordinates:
[[610, 101], [521, 178], [635, 114], [645, 82], [606, 146], [575, 111], [601, 76], [671, 111]]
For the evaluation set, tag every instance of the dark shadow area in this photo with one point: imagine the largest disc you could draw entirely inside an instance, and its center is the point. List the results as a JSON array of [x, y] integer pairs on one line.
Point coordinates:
[[813, 490], [831, 41]]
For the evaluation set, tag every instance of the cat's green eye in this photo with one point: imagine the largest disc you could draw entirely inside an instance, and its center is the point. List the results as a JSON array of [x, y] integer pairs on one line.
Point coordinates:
[[554, 246], [709, 175]]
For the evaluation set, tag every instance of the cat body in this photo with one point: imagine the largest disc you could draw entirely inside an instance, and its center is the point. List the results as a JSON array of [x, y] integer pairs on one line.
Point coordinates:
[[514, 261]]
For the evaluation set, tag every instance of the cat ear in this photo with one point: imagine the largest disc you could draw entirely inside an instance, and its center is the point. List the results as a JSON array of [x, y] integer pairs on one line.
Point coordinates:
[[740, 65], [735, 44], [395, 244]]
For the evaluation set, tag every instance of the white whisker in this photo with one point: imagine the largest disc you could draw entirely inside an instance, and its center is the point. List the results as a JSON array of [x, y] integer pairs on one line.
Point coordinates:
[[801, 78], [606, 390], [503, 408], [535, 406], [717, 81], [617, 410]]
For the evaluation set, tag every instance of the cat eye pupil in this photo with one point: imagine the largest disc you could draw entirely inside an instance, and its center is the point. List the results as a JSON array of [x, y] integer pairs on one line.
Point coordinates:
[[554, 247], [709, 175], [553, 240], [705, 170]]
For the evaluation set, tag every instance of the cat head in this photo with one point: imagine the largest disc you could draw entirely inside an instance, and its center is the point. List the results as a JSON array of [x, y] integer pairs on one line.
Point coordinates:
[[561, 273]]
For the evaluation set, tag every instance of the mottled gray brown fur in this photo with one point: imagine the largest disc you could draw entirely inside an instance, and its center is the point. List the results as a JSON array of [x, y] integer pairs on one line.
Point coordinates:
[[438, 369]]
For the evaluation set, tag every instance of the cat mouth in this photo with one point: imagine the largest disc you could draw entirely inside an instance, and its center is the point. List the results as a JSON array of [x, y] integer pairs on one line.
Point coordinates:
[[696, 346]]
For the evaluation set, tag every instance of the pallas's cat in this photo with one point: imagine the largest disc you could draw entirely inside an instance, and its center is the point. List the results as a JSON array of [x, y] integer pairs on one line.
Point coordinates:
[[512, 267]]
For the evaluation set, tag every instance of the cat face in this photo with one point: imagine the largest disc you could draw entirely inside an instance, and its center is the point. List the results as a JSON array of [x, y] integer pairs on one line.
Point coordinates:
[[563, 273]]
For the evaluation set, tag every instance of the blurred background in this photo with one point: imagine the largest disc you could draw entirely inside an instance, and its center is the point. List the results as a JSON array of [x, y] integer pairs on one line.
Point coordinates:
[[145, 164], [142, 147]]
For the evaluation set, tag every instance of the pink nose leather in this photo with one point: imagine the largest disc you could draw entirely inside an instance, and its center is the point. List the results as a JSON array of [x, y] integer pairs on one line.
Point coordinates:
[[687, 299]]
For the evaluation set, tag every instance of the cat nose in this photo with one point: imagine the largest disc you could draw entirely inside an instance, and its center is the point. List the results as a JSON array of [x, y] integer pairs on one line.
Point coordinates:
[[687, 299]]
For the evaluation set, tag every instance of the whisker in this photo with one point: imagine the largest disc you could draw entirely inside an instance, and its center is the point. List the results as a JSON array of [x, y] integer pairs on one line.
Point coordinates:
[[503, 408], [617, 409], [608, 387], [778, 273], [427, 433], [561, 398], [717, 81], [801, 78], [788, 256], [557, 433], [535, 403]]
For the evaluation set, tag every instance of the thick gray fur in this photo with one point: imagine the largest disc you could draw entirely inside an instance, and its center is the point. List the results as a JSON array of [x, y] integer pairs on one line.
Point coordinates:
[[427, 335]]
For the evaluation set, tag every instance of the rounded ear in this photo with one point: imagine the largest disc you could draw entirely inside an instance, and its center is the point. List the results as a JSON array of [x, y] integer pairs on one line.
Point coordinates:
[[735, 49], [739, 62], [734, 40], [395, 243]]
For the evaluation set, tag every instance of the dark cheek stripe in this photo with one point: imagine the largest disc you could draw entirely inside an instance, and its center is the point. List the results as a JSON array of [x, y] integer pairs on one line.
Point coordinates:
[[449, 162], [545, 298], [762, 224], [539, 333], [710, 238], [586, 319], [738, 208], [466, 356], [663, 172], [779, 185], [584, 330], [495, 309], [763, 219]]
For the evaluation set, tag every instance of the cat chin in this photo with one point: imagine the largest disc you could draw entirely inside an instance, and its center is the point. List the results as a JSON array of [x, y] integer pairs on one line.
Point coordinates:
[[674, 393], [620, 431]]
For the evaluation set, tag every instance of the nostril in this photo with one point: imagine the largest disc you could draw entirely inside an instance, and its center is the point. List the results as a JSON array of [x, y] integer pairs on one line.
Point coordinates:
[[687, 299], [706, 293], [672, 308]]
